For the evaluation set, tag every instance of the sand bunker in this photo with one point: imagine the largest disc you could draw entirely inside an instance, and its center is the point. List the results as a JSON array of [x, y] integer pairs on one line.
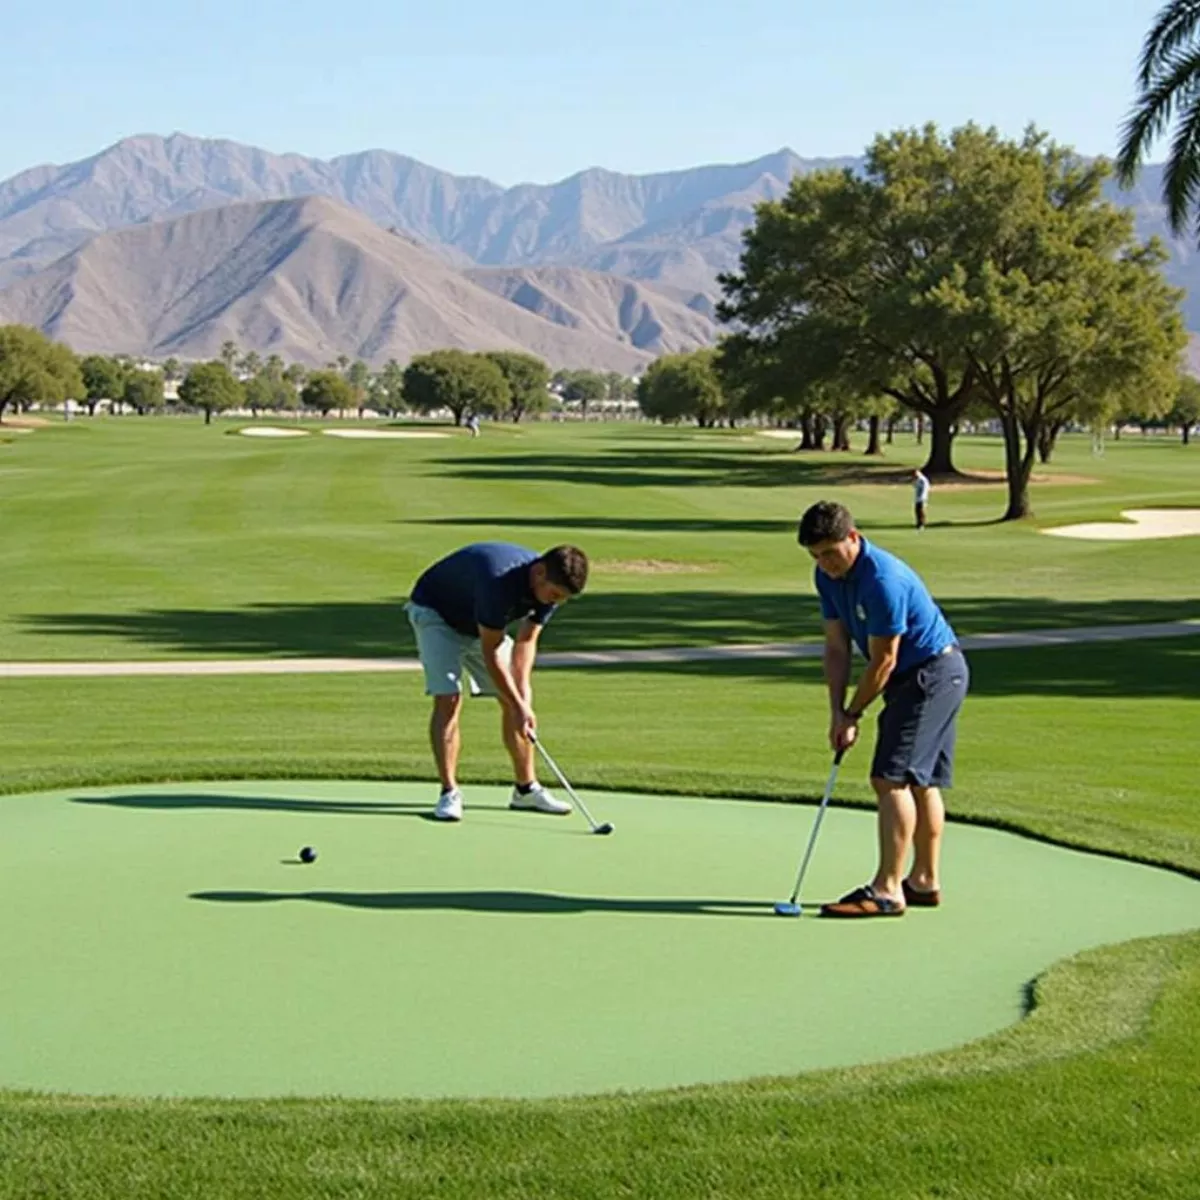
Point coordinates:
[[792, 435], [271, 431], [382, 433], [1143, 523], [652, 566]]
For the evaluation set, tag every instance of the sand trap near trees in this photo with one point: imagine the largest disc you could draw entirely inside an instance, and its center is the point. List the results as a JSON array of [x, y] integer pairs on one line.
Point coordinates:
[[1143, 523], [271, 431], [382, 433]]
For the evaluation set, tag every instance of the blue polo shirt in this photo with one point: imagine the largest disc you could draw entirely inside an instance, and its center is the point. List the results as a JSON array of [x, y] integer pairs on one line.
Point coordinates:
[[881, 596], [486, 583]]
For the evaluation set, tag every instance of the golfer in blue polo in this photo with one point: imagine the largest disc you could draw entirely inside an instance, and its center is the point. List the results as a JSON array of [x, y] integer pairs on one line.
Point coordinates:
[[460, 610], [873, 600]]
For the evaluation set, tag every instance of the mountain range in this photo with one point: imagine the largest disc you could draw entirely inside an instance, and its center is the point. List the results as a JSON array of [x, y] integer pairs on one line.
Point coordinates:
[[173, 245]]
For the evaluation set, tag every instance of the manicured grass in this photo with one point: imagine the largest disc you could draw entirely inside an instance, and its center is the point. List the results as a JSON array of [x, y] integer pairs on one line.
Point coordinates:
[[161, 538]]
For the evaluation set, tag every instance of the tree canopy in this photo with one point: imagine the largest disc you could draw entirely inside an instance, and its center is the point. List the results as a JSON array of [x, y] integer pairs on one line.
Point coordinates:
[[35, 370], [528, 379], [211, 387], [456, 380], [957, 269]]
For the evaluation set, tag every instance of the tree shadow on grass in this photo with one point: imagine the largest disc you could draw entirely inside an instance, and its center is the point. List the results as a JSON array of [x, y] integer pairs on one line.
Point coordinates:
[[740, 467], [536, 903], [597, 621]]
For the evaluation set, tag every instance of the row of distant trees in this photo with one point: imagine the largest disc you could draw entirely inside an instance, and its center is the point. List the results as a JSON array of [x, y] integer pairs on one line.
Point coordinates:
[[499, 384]]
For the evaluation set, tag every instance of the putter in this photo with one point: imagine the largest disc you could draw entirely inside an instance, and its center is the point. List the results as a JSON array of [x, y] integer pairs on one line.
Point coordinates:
[[790, 908], [606, 828]]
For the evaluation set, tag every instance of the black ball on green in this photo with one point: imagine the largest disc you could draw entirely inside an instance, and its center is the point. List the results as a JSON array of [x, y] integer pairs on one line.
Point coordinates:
[[308, 854]]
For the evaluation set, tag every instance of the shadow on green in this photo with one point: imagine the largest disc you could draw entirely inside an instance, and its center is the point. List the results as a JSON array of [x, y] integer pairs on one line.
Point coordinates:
[[501, 902]]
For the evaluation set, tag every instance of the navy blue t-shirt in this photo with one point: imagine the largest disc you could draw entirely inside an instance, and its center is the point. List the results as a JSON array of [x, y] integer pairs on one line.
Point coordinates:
[[882, 596], [486, 583]]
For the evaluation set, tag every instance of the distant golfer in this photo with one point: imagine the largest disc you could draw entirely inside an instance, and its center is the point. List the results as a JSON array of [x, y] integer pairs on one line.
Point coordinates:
[[921, 487], [873, 600], [460, 610]]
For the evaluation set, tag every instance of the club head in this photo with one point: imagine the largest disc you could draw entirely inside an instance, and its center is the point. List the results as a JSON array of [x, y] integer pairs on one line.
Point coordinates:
[[606, 828], [787, 908]]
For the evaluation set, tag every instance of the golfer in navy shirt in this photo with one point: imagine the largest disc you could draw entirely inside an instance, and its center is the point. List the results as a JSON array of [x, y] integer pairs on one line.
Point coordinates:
[[460, 610], [872, 600]]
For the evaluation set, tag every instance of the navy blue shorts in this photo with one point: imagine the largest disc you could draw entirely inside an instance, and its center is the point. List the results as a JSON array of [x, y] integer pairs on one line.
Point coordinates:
[[917, 725]]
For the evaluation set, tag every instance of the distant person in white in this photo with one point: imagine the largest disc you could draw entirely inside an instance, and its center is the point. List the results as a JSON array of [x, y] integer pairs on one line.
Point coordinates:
[[473, 425], [920, 497]]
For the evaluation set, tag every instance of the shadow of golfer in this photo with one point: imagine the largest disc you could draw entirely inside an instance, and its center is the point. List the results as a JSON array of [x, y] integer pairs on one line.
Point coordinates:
[[542, 903], [179, 801]]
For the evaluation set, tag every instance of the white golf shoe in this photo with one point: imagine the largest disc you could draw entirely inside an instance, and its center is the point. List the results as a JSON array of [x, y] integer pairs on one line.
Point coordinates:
[[538, 800], [449, 806]]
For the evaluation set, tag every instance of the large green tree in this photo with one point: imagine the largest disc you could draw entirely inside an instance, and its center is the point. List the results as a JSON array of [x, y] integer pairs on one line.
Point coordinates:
[[103, 379], [144, 390], [1072, 314], [583, 388], [679, 387], [842, 278], [528, 379], [212, 388], [1168, 94], [35, 370], [455, 380], [1185, 411], [326, 391], [956, 270]]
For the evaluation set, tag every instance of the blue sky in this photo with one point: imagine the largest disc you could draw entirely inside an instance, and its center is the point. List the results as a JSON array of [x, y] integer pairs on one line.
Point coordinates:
[[534, 91]]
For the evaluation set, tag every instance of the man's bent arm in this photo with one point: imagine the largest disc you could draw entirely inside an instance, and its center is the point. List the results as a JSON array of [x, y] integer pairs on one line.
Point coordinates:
[[885, 651], [524, 653], [490, 641]]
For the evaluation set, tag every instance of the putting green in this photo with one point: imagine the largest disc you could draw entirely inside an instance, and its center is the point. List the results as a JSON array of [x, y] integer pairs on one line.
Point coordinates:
[[165, 941]]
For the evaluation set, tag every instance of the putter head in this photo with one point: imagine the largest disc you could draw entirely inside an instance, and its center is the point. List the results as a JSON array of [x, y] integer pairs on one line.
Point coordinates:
[[606, 828], [788, 908]]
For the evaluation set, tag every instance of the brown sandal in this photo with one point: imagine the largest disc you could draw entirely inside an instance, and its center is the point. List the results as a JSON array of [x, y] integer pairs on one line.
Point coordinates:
[[918, 899], [862, 902]]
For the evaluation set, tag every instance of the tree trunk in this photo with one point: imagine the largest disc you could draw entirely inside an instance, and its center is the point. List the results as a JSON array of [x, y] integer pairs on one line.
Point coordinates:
[[891, 430], [208, 416], [1187, 433], [941, 458], [1018, 465], [841, 433], [820, 426], [808, 439], [873, 446], [920, 428], [1047, 439]]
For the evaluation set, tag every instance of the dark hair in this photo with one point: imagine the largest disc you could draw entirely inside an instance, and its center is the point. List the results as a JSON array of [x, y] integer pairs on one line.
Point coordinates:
[[825, 521], [567, 567]]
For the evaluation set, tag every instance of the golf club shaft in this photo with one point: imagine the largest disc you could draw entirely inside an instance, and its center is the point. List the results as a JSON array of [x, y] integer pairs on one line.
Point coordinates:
[[563, 780], [812, 837]]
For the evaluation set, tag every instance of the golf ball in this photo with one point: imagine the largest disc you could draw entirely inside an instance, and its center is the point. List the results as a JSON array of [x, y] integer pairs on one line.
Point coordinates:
[[308, 854]]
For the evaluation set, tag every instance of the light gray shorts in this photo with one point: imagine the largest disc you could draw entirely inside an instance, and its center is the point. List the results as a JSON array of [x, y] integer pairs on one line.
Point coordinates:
[[447, 655]]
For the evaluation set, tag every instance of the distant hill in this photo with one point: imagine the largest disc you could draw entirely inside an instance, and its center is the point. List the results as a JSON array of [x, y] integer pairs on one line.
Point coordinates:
[[680, 227], [310, 279], [669, 233]]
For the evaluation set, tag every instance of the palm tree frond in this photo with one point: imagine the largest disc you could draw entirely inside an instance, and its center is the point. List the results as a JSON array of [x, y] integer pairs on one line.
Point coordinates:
[[1181, 177], [1177, 81], [1175, 24]]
